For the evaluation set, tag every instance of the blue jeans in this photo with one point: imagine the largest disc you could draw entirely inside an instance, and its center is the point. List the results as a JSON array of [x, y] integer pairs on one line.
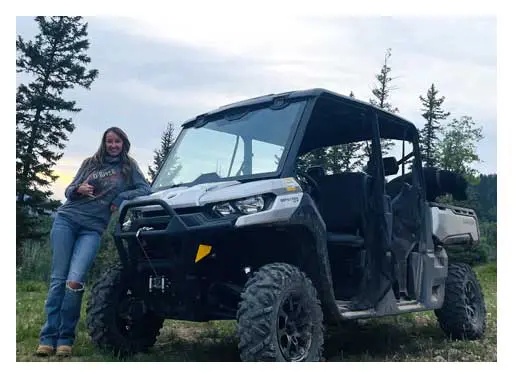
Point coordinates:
[[74, 249]]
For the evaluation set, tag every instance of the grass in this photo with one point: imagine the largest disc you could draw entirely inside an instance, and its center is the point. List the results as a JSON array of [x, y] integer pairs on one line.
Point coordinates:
[[410, 337]]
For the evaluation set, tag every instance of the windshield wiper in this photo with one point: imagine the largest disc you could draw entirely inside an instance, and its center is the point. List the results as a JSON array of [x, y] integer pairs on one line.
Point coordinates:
[[169, 187]]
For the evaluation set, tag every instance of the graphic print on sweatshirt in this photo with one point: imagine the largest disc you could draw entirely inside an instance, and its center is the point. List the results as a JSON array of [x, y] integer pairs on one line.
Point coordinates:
[[104, 181]]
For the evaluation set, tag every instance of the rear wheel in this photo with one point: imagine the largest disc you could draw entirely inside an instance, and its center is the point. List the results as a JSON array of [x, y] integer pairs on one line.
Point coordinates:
[[116, 320], [280, 317], [463, 314]]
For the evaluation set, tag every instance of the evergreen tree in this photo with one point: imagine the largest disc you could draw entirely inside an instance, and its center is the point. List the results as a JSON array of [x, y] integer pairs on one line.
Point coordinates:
[[317, 157], [381, 93], [345, 157], [55, 61], [487, 193], [335, 159], [457, 150], [381, 90], [433, 114], [167, 141]]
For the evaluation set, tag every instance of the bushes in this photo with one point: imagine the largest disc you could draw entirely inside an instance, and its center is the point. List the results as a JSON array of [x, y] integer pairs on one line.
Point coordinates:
[[472, 257], [488, 230], [37, 260], [31, 232]]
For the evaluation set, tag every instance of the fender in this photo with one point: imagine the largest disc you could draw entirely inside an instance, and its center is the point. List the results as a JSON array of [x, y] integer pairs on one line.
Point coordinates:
[[317, 265]]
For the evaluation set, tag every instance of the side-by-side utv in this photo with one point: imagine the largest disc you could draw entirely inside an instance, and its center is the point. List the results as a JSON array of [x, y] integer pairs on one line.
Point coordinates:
[[239, 227]]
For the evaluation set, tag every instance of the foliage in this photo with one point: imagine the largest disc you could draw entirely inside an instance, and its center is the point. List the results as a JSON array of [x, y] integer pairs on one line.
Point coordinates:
[[37, 256], [167, 142], [486, 197], [470, 256], [317, 157], [335, 159], [458, 148], [29, 227], [345, 157], [55, 61], [381, 92], [433, 114]]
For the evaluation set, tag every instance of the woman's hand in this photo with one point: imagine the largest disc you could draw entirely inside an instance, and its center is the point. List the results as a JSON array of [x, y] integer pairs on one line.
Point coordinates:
[[86, 189]]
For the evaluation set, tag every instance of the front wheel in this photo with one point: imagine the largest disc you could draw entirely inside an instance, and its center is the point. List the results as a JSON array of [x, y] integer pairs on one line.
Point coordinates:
[[117, 321], [463, 314], [279, 316]]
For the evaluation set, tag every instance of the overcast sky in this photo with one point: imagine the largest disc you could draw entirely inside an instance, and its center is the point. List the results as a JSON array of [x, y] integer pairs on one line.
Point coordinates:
[[159, 69]]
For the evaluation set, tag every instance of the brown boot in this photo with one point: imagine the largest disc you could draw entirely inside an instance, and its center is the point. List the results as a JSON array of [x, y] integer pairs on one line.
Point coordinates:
[[45, 350], [64, 351]]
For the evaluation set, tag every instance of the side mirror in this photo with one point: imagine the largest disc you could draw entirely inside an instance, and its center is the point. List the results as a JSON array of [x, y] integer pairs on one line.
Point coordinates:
[[390, 166]]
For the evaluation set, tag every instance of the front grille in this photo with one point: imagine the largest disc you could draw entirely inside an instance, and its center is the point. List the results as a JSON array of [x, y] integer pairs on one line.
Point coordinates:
[[179, 211], [155, 213], [194, 219], [191, 216], [156, 222]]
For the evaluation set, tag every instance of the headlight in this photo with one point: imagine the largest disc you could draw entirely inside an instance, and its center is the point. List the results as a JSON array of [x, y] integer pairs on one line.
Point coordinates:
[[250, 205], [224, 209], [126, 225], [246, 206], [131, 216]]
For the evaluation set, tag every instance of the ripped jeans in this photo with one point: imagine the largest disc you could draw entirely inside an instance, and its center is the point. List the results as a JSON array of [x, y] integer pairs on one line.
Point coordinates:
[[74, 249]]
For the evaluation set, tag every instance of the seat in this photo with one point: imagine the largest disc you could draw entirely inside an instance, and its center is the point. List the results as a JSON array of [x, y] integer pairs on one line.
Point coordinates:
[[343, 205], [316, 172]]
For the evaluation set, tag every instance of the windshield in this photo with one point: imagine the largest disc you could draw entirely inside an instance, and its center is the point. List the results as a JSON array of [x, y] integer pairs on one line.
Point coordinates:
[[240, 144]]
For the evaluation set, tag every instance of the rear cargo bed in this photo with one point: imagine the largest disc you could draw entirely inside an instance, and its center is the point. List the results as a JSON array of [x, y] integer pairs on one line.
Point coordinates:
[[454, 225]]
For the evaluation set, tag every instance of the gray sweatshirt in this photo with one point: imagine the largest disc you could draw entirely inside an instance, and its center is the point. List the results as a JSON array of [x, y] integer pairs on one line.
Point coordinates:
[[109, 188]]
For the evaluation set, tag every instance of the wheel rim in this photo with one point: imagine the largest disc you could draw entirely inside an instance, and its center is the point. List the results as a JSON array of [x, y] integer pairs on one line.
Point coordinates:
[[472, 307], [294, 328]]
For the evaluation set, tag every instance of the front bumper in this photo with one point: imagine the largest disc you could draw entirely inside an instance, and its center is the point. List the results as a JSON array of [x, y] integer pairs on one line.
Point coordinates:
[[190, 228]]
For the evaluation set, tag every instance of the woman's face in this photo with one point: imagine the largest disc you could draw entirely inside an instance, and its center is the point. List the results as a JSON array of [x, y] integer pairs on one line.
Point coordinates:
[[113, 144]]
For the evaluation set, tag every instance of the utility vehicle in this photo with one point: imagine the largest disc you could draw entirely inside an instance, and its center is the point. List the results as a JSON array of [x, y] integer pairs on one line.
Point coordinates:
[[245, 224]]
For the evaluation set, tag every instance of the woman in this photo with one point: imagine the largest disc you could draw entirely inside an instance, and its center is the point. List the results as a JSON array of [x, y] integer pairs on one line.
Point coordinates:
[[98, 189]]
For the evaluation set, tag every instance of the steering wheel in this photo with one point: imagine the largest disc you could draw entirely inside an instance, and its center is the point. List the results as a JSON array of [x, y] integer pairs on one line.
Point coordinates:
[[312, 185]]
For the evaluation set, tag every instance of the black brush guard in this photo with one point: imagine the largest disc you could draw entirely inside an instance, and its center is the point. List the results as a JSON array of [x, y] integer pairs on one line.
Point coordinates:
[[176, 226]]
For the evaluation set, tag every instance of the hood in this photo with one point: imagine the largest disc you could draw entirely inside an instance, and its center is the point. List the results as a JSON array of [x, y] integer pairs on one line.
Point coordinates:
[[189, 196], [205, 193]]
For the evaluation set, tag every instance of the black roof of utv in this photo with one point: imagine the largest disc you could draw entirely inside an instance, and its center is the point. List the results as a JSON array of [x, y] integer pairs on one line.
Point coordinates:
[[334, 117]]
